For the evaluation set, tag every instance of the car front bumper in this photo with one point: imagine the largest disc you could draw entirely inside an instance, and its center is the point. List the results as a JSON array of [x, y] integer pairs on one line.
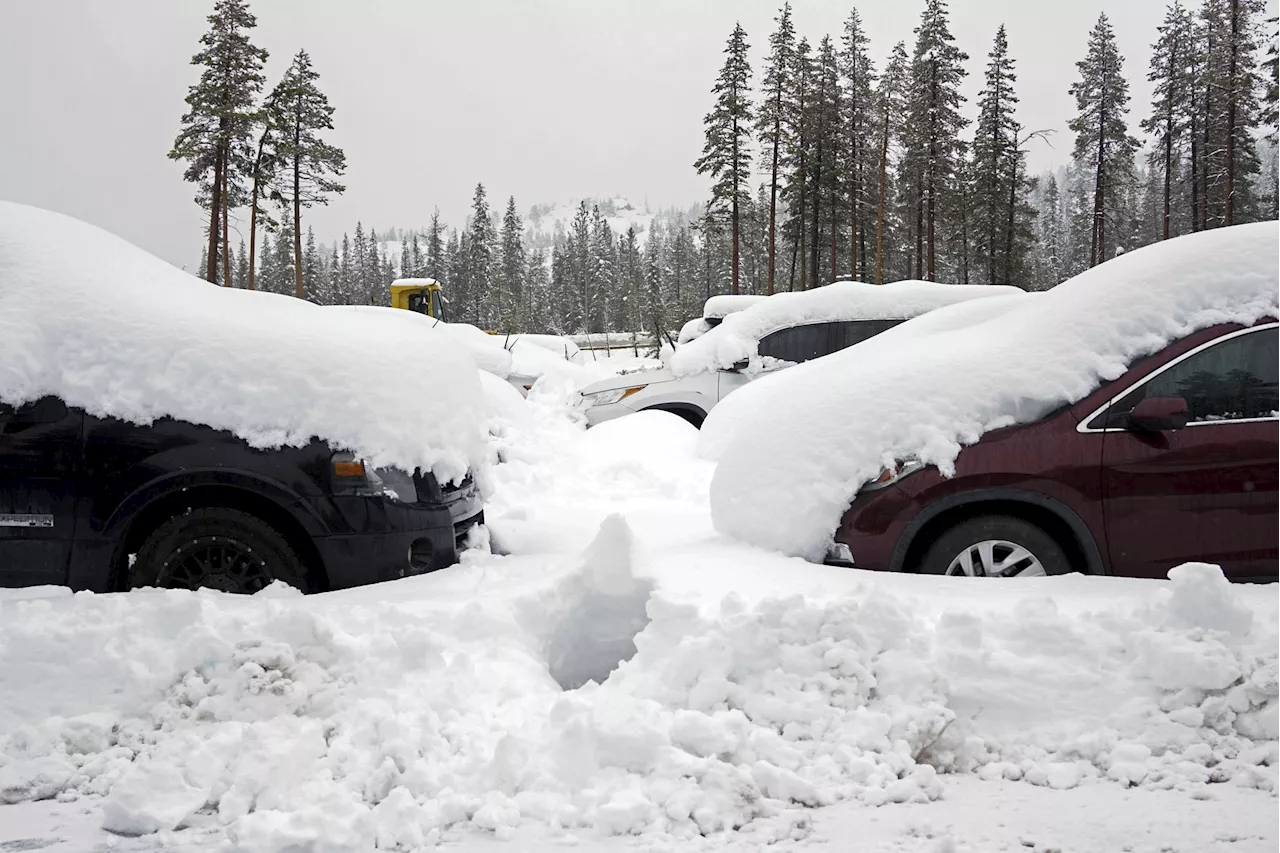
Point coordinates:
[[599, 414]]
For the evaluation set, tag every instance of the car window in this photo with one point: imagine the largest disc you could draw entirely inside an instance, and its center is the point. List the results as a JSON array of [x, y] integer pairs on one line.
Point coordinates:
[[813, 340], [1234, 379]]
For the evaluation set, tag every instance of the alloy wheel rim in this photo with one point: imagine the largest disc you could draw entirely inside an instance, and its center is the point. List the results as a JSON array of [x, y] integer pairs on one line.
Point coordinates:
[[996, 558], [215, 562]]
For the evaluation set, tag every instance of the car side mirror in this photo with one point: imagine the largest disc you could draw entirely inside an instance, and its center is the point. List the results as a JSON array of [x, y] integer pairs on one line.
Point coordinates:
[[740, 365], [1156, 414]]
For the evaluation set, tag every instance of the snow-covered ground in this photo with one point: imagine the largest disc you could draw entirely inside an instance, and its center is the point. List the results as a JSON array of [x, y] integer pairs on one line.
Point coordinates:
[[764, 700]]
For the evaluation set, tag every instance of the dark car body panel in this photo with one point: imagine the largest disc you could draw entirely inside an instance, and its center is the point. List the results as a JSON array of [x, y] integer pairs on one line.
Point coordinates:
[[1124, 501], [103, 481]]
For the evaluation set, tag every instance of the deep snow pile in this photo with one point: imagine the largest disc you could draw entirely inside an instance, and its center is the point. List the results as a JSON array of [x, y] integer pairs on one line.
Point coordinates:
[[832, 426], [737, 337], [118, 332], [485, 350]]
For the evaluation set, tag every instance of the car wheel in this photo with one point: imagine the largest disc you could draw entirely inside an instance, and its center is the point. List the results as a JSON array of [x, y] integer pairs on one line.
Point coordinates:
[[216, 548], [995, 546]]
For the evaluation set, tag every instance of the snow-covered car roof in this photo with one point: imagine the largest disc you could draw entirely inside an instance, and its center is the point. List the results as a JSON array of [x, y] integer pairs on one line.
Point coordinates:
[[109, 328], [719, 307], [738, 335], [802, 444]]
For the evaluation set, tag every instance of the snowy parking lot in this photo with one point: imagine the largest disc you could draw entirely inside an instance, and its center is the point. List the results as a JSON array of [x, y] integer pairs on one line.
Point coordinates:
[[617, 675]]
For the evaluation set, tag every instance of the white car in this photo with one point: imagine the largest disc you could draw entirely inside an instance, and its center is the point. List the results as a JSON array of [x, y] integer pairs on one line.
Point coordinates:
[[766, 335]]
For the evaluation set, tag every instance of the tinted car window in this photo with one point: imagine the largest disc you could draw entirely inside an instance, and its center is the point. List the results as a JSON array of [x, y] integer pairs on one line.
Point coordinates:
[[801, 343], [1231, 380]]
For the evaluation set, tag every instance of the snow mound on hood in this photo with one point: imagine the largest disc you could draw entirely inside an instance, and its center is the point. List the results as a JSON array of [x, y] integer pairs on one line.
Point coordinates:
[[485, 350], [737, 337], [719, 307], [829, 427], [120, 333]]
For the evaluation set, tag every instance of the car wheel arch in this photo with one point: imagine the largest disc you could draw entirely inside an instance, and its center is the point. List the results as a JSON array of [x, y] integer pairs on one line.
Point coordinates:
[[165, 505], [1050, 514], [690, 413]]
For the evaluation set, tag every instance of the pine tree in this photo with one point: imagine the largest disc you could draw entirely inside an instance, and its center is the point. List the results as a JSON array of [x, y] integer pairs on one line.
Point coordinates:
[[345, 275], [268, 265], [358, 267], [891, 96], [683, 262], [435, 247], [1271, 93], [799, 141], [454, 261], [330, 284], [1169, 73], [726, 156], [311, 269], [935, 121], [825, 163], [577, 272], [406, 258], [653, 304], [370, 284], [480, 263], [1242, 109], [995, 163], [284, 271], [1103, 144], [241, 277], [1050, 218], [602, 275], [859, 125], [299, 112], [511, 273], [771, 119], [536, 295], [630, 284], [204, 259], [215, 130]]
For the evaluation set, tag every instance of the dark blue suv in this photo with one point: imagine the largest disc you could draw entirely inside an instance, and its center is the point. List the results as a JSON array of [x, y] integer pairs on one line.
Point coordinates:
[[105, 505]]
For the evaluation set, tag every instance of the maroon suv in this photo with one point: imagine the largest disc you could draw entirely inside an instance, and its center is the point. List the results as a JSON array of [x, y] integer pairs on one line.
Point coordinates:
[[1174, 461]]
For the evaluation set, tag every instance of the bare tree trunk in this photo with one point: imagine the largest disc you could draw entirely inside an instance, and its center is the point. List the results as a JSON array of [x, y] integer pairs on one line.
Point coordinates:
[[734, 210], [933, 167], [297, 202], [1168, 141], [817, 211], [1008, 234], [226, 242], [773, 186], [253, 210], [835, 234], [884, 170], [1195, 170], [1232, 49], [215, 210]]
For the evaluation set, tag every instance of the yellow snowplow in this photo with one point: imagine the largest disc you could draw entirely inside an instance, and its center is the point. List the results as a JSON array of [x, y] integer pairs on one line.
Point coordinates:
[[423, 295]]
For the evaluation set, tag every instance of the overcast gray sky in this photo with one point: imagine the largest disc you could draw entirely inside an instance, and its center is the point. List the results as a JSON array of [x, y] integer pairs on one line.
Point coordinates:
[[543, 99]]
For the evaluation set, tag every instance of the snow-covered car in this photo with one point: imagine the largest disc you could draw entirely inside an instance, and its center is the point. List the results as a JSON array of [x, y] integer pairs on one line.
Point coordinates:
[[156, 430], [713, 312], [1122, 422], [767, 335]]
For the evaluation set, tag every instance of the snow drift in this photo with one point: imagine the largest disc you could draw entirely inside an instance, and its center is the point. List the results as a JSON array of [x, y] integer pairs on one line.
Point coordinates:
[[804, 442], [737, 337], [120, 333]]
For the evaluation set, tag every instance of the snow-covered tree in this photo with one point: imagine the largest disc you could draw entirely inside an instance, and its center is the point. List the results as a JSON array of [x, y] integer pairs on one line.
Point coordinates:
[[726, 156], [932, 134], [1103, 145], [300, 112], [214, 135], [771, 126], [511, 272]]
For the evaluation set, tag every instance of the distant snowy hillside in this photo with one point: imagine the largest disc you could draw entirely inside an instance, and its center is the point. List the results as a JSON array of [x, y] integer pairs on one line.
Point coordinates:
[[544, 221]]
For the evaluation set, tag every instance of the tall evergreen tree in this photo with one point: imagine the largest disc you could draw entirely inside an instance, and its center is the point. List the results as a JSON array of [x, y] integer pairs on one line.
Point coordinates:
[[241, 277], [726, 156], [1103, 145], [370, 284], [826, 164], [1170, 74], [285, 274], [602, 274], [771, 123], [995, 163], [891, 96], [536, 295], [511, 272], [799, 142], [345, 274], [435, 246], [935, 123], [1051, 245], [311, 269], [359, 267], [480, 263], [300, 112], [859, 124], [214, 135]]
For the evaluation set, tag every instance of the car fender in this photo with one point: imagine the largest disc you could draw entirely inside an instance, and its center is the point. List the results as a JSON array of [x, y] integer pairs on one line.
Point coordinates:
[[691, 392], [1088, 545]]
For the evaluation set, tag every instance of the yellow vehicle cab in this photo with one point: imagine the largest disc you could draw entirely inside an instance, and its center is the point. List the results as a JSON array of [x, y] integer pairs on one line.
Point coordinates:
[[422, 295]]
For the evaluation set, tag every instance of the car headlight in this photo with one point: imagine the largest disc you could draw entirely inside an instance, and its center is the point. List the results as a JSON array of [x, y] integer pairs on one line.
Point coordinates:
[[891, 474], [604, 398], [351, 476]]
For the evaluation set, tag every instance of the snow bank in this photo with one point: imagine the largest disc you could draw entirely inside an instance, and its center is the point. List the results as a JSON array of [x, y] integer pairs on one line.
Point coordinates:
[[737, 336], [120, 333], [402, 712], [804, 443]]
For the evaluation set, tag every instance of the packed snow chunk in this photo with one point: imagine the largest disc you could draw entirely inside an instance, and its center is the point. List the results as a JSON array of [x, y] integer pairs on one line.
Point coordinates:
[[644, 436], [120, 333], [802, 446], [736, 338], [1201, 597], [507, 407], [150, 798], [596, 612]]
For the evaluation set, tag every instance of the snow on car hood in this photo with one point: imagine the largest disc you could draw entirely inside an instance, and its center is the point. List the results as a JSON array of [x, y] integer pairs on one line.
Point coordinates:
[[109, 328], [805, 442], [485, 350], [737, 337]]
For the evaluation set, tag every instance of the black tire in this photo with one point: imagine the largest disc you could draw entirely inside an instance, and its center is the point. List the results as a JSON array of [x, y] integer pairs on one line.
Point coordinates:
[[1003, 528], [216, 548]]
